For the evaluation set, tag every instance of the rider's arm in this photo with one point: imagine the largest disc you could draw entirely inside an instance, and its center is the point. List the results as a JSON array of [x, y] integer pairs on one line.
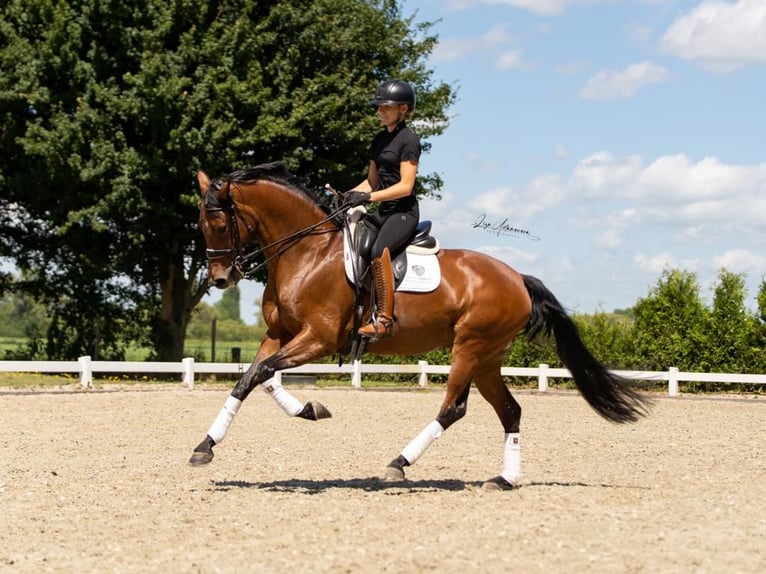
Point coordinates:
[[402, 188]]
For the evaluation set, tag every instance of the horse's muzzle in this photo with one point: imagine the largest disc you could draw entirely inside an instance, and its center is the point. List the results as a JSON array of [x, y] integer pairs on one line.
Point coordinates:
[[222, 278], [221, 283]]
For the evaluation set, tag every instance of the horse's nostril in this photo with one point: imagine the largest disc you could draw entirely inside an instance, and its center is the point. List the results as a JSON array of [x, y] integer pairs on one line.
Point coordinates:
[[221, 283]]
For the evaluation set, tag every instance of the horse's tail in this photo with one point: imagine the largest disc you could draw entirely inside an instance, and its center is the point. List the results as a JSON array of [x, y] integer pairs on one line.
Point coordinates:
[[606, 392]]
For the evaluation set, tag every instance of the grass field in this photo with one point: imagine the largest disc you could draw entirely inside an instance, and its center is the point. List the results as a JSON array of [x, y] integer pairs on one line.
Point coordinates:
[[200, 349]]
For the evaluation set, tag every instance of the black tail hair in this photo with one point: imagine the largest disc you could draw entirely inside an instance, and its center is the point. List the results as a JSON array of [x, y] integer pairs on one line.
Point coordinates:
[[606, 392]]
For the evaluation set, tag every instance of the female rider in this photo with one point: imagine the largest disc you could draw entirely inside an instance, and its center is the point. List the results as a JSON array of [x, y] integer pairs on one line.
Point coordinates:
[[394, 156]]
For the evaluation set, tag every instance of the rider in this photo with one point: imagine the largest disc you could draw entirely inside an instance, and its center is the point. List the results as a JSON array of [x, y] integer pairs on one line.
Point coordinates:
[[394, 156]]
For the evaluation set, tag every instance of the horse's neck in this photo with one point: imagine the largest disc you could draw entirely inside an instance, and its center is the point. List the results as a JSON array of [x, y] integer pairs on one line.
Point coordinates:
[[316, 254], [282, 213], [283, 217]]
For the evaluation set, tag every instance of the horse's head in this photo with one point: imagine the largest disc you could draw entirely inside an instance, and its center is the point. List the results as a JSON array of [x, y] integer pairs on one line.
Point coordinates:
[[271, 214], [220, 227]]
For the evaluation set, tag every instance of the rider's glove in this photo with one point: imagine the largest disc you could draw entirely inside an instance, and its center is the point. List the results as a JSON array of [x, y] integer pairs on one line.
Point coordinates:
[[354, 198]]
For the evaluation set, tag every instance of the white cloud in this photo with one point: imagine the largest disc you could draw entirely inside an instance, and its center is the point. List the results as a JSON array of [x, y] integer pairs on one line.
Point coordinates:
[[602, 174], [453, 49], [707, 186], [658, 263], [739, 261], [497, 36], [492, 40], [546, 7], [708, 178], [511, 61], [640, 34], [495, 202], [511, 255], [720, 35], [621, 84], [701, 198], [543, 193], [562, 152], [609, 239], [450, 222]]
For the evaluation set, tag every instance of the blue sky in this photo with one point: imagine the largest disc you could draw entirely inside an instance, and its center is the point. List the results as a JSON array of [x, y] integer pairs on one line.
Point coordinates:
[[628, 135]]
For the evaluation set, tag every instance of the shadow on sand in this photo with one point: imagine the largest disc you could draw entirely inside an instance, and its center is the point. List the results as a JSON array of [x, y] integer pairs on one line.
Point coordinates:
[[366, 484], [375, 485]]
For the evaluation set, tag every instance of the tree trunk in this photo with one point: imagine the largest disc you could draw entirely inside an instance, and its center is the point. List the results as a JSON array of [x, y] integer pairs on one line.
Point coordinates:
[[179, 296]]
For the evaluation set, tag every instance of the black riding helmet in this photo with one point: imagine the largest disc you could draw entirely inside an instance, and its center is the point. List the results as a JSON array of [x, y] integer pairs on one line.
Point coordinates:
[[394, 92]]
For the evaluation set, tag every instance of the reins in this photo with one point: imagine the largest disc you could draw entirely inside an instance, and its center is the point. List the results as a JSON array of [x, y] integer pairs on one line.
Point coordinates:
[[243, 254]]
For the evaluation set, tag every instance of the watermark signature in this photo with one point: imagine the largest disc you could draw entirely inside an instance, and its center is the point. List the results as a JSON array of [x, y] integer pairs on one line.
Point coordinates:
[[502, 228]]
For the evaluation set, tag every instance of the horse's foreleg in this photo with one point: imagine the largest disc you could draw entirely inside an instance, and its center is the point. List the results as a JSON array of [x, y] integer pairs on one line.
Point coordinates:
[[203, 453], [312, 410], [301, 349], [450, 413], [262, 371]]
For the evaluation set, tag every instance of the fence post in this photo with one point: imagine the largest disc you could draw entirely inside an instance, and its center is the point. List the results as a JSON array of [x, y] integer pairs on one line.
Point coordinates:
[[187, 365], [673, 381], [86, 371], [423, 378], [542, 378], [356, 376]]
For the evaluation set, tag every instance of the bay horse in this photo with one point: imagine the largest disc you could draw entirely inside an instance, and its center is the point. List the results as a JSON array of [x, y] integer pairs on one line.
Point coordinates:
[[478, 308]]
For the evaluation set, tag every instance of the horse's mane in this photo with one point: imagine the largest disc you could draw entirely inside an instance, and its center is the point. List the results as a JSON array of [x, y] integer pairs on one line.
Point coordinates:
[[277, 172]]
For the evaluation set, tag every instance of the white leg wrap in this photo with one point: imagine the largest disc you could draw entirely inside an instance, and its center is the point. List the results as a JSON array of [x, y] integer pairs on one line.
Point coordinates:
[[512, 457], [222, 422], [421, 442], [284, 399]]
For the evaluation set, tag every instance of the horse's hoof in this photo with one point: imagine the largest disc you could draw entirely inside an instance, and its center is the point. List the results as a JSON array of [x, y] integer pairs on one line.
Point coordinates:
[[497, 483], [320, 411], [393, 474], [200, 458]]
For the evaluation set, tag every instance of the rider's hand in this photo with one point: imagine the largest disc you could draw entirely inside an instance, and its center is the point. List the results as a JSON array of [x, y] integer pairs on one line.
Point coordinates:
[[354, 198]]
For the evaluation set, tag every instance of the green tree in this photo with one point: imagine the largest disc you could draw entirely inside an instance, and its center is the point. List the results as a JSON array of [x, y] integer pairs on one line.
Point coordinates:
[[228, 307], [21, 316], [108, 108], [729, 324], [607, 335], [669, 326], [755, 355]]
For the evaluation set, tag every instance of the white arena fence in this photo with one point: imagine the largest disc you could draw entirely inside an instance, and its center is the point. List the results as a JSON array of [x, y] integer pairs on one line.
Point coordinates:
[[188, 369]]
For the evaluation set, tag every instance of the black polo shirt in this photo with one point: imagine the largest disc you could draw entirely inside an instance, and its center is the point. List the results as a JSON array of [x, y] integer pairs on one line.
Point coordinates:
[[388, 151]]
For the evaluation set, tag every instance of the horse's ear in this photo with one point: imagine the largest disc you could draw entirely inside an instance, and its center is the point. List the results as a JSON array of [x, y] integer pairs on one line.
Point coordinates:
[[204, 182]]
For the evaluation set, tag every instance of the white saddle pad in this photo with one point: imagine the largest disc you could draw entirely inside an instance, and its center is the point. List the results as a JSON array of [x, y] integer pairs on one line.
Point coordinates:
[[423, 273]]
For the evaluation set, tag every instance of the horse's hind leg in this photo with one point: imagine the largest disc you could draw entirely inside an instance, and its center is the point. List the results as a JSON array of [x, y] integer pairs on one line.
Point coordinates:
[[433, 430], [491, 386], [452, 409]]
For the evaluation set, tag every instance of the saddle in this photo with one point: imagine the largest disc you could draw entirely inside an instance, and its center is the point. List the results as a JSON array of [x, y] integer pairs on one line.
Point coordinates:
[[416, 268], [360, 234]]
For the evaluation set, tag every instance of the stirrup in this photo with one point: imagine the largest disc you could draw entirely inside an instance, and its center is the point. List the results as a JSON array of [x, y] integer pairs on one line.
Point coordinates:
[[381, 328]]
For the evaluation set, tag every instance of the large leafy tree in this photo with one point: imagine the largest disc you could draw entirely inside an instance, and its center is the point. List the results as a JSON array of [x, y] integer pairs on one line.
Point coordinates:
[[108, 108]]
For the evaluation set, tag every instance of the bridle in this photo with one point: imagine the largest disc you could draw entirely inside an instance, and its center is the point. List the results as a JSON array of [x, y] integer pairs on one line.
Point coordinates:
[[245, 254]]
